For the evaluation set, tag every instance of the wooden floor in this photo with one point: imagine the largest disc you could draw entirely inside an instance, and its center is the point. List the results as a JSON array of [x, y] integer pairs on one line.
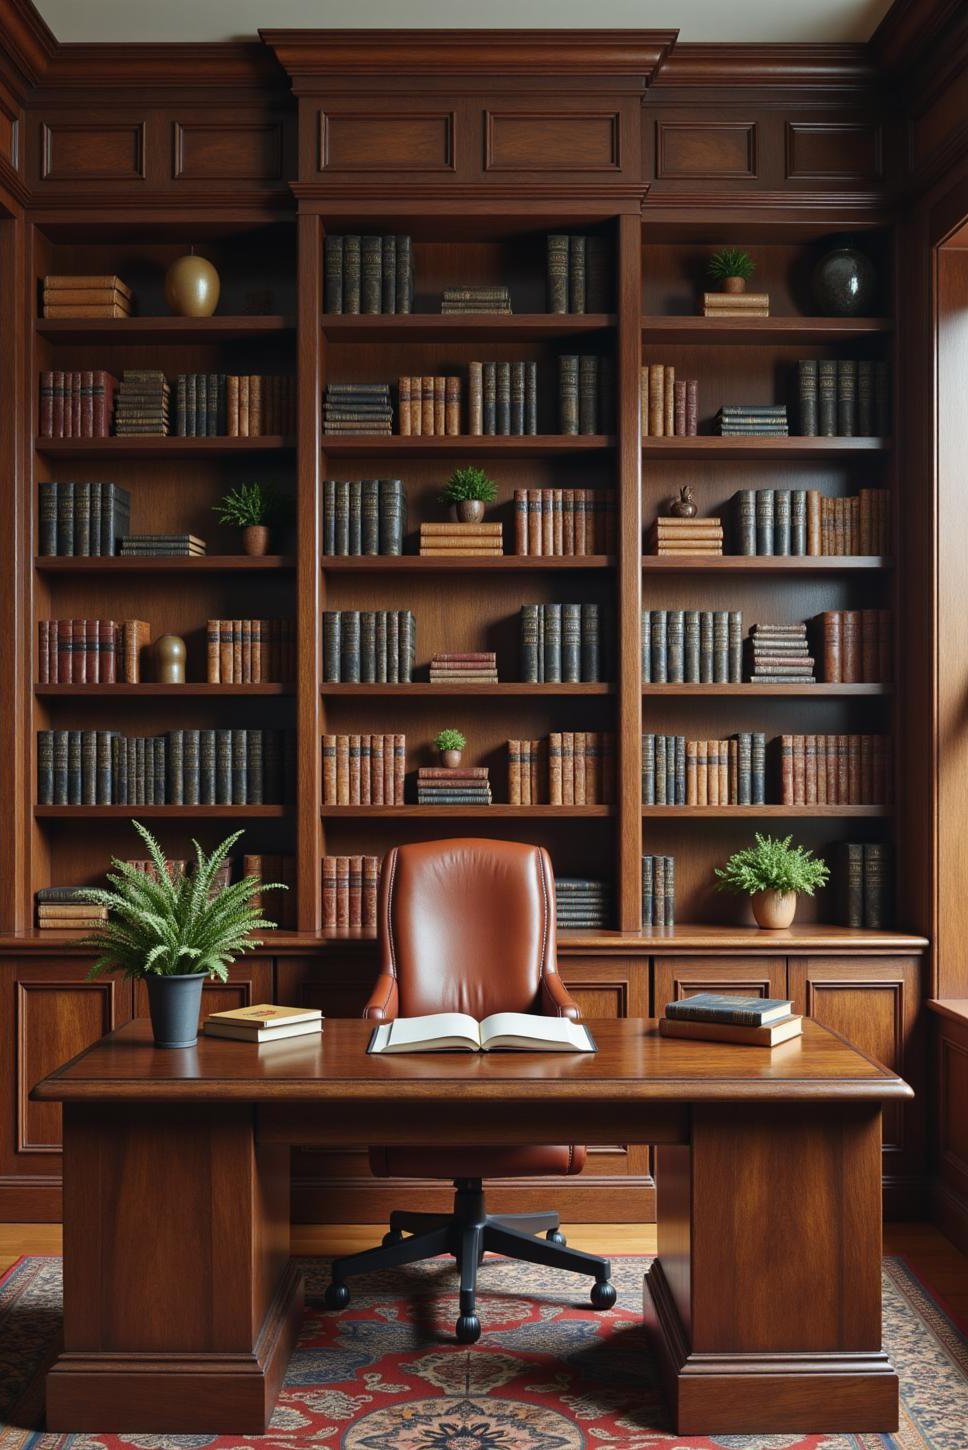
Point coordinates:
[[932, 1256]]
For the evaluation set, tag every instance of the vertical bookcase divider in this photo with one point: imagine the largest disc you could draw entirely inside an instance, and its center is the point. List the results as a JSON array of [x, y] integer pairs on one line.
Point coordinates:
[[310, 369]]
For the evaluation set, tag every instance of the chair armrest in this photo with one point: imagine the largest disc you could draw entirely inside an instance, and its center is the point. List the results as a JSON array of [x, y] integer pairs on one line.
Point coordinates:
[[556, 1000], [384, 1000]]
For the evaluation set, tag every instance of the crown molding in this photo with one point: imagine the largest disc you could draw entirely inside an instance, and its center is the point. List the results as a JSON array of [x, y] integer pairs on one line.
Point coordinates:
[[26, 40], [909, 28], [221, 65], [789, 66]]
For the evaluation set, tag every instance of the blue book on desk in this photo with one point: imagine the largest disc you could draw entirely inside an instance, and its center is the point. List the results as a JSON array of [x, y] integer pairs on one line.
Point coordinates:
[[730, 1008]]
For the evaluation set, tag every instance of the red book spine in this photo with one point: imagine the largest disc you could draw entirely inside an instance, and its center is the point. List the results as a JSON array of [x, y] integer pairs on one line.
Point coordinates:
[[851, 647], [843, 770], [43, 652], [371, 878], [799, 771], [77, 430], [59, 406], [856, 795], [679, 407], [342, 895], [47, 405], [692, 407], [87, 404], [832, 646], [79, 651], [107, 651], [786, 770], [356, 892], [329, 895], [868, 796], [64, 634]]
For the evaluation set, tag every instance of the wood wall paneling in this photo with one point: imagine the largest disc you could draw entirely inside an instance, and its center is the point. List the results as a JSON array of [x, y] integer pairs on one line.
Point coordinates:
[[705, 150], [950, 1134], [404, 140], [72, 150], [834, 151]]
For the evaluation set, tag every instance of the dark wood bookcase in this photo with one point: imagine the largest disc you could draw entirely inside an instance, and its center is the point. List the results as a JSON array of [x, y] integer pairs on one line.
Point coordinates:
[[253, 155]]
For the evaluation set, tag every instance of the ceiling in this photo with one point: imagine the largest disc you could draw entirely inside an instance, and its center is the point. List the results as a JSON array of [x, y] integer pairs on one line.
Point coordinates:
[[697, 20]]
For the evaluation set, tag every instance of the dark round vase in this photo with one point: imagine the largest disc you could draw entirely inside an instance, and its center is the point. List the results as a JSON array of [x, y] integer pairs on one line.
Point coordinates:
[[844, 282], [174, 1004]]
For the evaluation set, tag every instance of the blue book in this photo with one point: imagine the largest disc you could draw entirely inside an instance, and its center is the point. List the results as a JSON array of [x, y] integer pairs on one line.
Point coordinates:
[[734, 1009]]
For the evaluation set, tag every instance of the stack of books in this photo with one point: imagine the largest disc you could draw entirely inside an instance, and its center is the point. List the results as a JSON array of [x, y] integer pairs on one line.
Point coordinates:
[[485, 539], [581, 903], [560, 643], [658, 892], [752, 420], [368, 274], [86, 297], [685, 536], [264, 1023], [502, 398], [736, 304], [141, 404], [669, 405], [63, 908], [477, 667], [779, 654], [82, 519], [476, 299], [349, 895], [722, 1017], [358, 408], [429, 406], [461, 785], [364, 516], [182, 546]]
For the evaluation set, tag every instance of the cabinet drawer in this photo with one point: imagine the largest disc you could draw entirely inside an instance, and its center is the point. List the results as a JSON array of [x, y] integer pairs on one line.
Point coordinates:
[[677, 977]]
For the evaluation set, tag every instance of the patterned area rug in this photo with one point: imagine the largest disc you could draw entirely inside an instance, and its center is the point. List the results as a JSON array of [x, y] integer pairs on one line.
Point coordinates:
[[547, 1374]]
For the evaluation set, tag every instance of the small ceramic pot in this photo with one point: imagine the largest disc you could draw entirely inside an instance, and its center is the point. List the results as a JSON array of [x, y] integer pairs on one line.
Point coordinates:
[[169, 652], [255, 540], [192, 287], [734, 284], [774, 910], [174, 1004], [450, 758], [470, 510]]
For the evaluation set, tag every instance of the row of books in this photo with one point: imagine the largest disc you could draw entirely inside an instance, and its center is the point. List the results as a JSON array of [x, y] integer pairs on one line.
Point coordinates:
[[82, 519], [669, 405], [141, 403], [180, 767], [863, 882], [430, 407], [582, 903], [364, 516], [798, 521], [460, 301], [86, 296], [472, 540], [572, 767], [162, 546], [226, 405], [502, 398], [477, 667], [752, 420], [658, 892], [743, 1021], [364, 770], [358, 408], [780, 654], [350, 895], [457, 785], [561, 643], [368, 274], [250, 651], [692, 646], [669, 535], [76, 403], [843, 398], [681, 772], [577, 273], [90, 651], [842, 770], [369, 646], [857, 645], [586, 393], [564, 521]]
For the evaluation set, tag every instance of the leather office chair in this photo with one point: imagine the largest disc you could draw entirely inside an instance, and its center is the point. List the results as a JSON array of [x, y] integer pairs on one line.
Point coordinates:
[[469, 926]]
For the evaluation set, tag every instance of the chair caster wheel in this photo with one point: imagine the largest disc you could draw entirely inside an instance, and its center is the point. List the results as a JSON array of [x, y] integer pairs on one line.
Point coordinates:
[[337, 1296], [391, 1238], [555, 1236], [603, 1294], [468, 1329]]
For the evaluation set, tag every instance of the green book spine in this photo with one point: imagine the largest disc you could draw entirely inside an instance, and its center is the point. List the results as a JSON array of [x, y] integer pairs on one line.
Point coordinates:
[[827, 398], [850, 884], [254, 748], [356, 518], [45, 767], [370, 516], [865, 399], [176, 766], [576, 274], [329, 516], [489, 398], [368, 646], [706, 647], [351, 274], [529, 643], [350, 646], [720, 647], [648, 889], [735, 646], [191, 774], [240, 772], [764, 521], [404, 287], [587, 393], [388, 274], [392, 515], [847, 397], [591, 644], [568, 393], [333, 274], [558, 257], [571, 643], [503, 386], [531, 398], [690, 664], [371, 263], [223, 768], [675, 646], [782, 510], [758, 768], [552, 643], [517, 399], [659, 636]]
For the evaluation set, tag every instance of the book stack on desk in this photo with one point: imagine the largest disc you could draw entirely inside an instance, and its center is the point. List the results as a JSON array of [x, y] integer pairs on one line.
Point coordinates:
[[264, 1022], [721, 1017]]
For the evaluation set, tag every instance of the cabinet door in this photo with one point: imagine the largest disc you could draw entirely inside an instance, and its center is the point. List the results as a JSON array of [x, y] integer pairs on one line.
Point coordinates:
[[48, 1013], [250, 981], [874, 1002], [677, 977]]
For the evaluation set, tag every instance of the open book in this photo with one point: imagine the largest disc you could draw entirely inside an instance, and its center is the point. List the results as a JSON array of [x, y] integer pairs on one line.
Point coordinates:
[[457, 1032]]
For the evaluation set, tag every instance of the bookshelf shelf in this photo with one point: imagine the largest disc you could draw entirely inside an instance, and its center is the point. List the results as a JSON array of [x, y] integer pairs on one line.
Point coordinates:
[[196, 689], [457, 564], [472, 327], [752, 812], [504, 688], [764, 564], [155, 447], [203, 564], [470, 812], [535, 445], [739, 330], [171, 331], [747, 449], [158, 813], [757, 690]]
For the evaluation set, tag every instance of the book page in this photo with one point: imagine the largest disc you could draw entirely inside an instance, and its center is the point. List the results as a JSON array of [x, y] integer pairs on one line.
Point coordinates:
[[526, 1030], [435, 1030]]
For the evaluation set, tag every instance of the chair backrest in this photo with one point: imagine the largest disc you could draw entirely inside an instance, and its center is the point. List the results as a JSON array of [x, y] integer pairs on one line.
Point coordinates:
[[467, 925]]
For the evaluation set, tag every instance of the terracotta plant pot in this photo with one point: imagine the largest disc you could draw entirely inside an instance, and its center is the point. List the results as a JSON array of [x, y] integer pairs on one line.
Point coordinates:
[[255, 540], [774, 910], [470, 510], [734, 284], [450, 758]]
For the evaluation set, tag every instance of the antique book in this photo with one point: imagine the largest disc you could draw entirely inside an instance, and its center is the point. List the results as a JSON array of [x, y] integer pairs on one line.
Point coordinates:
[[502, 1031]]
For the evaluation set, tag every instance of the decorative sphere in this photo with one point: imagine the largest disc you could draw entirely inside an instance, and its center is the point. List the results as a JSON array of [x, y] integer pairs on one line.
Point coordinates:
[[844, 283], [169, 653], [192, 287]]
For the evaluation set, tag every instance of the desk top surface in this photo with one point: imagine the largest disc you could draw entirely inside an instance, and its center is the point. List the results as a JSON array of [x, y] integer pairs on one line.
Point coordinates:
[[633, 1063]]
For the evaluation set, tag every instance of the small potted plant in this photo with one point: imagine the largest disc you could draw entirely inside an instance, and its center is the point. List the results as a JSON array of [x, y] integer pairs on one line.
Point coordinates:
[[250, 507], [174, 932], [773, 873], [450, 743], [468, 490], [732, 268]]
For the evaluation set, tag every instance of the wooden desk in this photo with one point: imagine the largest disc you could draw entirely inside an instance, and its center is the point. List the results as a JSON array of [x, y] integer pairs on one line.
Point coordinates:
[[181, 1304]]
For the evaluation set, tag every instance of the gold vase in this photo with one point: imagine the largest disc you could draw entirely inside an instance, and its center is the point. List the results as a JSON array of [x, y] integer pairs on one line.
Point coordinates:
[[192, 287]]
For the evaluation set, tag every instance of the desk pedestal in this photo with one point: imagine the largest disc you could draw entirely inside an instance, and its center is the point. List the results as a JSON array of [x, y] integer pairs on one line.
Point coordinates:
[[765, 1300], [180, 1303]]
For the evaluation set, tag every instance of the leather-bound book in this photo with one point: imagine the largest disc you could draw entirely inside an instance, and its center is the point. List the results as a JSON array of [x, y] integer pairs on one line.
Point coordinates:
[[556, 768], [404, 266], [452, 406], [807, 383], [851, 655], [329, 895], [388, 274], [440, 406], [557, 272], [427, 410], [669, 401], [355, 892], [679, 408], [588, 421], [333, 274], [351, 273], [576, 274], [568, 401], [371, 879], [846, 397], [827, 398]]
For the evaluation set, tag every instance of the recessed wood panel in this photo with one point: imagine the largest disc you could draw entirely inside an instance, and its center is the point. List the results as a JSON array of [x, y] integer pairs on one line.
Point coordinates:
[[97, 151], [386, 141], [55, 1019], [678, 977], [566, 141], [227, 151], [953, 1116], [833, 151], [686, 150], [249, 983]]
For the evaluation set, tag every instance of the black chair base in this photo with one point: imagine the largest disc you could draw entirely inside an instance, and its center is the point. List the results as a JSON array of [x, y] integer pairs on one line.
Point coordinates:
[[468, 1233]]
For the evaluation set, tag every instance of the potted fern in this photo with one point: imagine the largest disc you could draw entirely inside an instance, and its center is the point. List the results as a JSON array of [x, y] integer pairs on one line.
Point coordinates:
[[772, 873], [174, 933], [732, 268], [250, 507], [467, 491]]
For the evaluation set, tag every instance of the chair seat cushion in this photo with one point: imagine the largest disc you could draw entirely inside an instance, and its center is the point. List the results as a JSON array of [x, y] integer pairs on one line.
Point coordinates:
[[468, 1161]]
